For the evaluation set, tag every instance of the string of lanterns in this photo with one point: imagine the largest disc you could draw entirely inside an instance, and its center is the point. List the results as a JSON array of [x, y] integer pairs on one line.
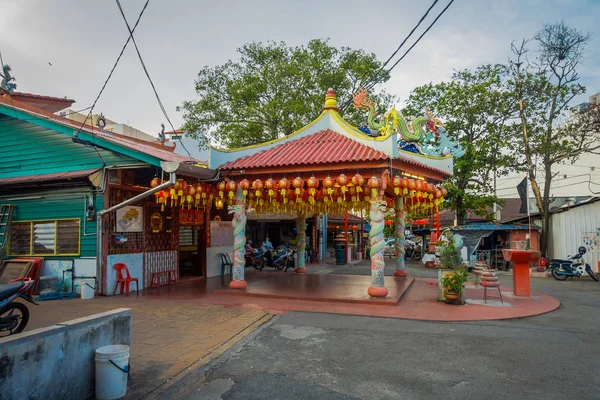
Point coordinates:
[[340, 194]]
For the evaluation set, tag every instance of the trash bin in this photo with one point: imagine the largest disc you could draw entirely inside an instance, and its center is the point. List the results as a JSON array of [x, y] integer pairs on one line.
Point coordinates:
[[340, 249]]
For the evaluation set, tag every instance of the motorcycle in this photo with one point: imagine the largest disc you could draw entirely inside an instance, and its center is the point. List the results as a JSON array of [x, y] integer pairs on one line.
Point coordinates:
[[572, 266], [278, 258], [417, 252], [255, 258], [13, 315]]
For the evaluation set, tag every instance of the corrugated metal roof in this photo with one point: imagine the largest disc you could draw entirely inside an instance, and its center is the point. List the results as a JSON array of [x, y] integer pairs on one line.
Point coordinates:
[[493, 227], [152, 149], [57, 176], [322, 147]]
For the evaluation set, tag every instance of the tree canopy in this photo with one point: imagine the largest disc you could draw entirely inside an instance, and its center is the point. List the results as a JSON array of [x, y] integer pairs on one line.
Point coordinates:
[[478, 111], [274, 89]]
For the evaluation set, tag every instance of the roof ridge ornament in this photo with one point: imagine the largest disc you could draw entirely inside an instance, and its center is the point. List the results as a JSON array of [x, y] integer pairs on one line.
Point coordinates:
[[331, 100]]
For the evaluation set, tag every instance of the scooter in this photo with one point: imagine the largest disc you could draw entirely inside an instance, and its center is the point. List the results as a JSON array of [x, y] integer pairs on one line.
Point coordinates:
[[13, 315], [275, 258], [572, 266], [255, 258]]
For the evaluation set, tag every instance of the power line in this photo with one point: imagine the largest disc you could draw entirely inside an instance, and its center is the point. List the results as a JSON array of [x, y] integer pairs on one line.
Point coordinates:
[[113, 68], [417, 41], [160, 103], [375, 76]]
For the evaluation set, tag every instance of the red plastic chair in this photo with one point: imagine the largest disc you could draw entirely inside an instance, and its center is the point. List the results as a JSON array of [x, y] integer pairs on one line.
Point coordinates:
[[126, 280]]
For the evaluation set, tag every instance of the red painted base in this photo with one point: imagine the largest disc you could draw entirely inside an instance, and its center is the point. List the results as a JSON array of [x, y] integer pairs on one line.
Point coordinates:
[[400, 273], [300, 270], [375, 291], [238, 284]]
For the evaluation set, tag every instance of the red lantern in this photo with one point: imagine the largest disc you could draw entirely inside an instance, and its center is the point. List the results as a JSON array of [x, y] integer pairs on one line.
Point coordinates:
[[354, 227], [342, 180], [298, 184], [374, 183], [221, 186], [231, 187], [412, 185], [438, 194], [245, 186], [328, 184], [444, 191], [358, 180], [419, 186], [257, 186], [161, 198], [155, 182], [284, 186], [397, 184]]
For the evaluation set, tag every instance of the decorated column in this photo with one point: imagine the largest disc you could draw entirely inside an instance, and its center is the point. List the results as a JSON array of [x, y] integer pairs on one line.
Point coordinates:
[[301, 243], [239, 241], [376, 213], [399, 236]]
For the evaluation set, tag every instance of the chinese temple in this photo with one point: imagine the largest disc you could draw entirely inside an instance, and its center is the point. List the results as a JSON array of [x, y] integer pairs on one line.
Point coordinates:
[[394, 168]]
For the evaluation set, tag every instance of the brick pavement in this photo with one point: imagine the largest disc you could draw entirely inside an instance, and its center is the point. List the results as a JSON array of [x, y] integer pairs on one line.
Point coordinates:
[[169, 338]]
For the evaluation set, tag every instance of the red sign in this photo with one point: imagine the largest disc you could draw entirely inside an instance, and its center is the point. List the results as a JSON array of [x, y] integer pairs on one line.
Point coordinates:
[[191, 217]]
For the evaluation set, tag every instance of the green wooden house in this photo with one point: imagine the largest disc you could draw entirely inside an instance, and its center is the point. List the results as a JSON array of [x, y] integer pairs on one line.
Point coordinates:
[[58, 173]]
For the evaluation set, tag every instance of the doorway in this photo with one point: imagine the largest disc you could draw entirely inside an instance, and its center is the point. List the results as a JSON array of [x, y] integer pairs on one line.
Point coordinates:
[[192, 251]]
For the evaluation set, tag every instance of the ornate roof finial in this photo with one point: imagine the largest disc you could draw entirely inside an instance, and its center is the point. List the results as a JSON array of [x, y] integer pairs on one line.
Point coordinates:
[[330, 100]]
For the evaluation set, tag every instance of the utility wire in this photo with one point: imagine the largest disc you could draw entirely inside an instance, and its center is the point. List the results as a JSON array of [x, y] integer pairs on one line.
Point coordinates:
[[160, 103], [113, 68], [376, 74], [415, 43]]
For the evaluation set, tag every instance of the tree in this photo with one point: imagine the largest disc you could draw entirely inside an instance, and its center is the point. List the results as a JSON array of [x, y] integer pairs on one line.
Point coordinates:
[[274, 90], [544, 89], [478, 111]]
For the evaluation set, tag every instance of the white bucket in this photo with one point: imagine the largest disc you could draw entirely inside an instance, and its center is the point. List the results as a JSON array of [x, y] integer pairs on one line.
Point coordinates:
[[112, 368], [87, 288]]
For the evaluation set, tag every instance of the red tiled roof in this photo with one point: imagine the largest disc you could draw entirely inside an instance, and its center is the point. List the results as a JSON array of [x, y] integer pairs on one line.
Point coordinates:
[[422, 165], [323, 147], [149, 148], [42, 97], [56, 176]]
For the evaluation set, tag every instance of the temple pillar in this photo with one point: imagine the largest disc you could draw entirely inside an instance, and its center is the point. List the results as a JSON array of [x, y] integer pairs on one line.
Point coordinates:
[[376, 213], [239, 241], [301, 243], [399, 236]]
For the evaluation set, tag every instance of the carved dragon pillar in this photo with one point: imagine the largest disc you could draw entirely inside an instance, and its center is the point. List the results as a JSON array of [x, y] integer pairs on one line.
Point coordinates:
[[376, 213], [301, 240], [399, 236], [239, 241]]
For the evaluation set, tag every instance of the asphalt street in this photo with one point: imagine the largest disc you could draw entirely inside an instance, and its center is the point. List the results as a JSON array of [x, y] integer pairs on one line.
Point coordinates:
[[326, 356]]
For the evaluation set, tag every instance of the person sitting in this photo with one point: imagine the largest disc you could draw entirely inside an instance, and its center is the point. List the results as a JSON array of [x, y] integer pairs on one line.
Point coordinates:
[[267, 243]]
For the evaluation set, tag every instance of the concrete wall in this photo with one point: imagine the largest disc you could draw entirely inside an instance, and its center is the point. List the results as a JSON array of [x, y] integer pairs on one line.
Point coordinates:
[[57, 362], [52, 273], [213, 261], [135, 265]]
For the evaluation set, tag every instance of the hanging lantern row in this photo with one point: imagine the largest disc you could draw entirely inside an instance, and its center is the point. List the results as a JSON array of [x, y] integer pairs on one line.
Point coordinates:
[[330, 194]]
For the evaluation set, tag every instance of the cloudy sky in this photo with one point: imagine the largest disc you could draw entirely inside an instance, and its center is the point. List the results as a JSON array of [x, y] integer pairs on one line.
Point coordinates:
[[81, 39]]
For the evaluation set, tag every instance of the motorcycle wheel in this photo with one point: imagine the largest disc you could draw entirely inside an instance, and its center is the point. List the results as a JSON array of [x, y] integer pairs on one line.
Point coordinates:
[[593, 274], [262, 264], [416, 256], [14, 310], [557, 276], [280, 266]]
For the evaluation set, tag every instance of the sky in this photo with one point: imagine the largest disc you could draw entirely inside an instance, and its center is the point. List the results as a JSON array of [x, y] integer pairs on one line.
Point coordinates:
[[67, 47]]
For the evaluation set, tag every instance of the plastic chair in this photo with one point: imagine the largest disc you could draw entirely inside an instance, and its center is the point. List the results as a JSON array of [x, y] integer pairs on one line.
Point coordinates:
[[226, 261], [125, 280]]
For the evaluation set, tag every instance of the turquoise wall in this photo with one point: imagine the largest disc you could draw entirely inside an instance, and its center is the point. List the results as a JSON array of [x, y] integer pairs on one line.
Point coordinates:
[[59, 204]]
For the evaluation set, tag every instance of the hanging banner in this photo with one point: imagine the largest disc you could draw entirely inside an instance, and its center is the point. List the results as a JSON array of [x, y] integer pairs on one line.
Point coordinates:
[[191, 217]]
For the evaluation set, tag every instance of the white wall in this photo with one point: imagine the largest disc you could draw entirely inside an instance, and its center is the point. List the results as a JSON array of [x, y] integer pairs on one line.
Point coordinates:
[[213, 261], [567, 229], [135, 265], [54, 269]]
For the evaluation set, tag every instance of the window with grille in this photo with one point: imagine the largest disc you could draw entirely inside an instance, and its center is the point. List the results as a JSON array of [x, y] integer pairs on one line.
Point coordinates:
[[45, 238]]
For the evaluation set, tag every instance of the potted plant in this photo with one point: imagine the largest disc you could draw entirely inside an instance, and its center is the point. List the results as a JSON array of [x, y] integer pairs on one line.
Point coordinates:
[[454, 283], [450, 259]]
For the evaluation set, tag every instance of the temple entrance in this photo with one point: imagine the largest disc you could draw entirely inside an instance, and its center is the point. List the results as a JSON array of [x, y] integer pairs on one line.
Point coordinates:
[[192, 243]]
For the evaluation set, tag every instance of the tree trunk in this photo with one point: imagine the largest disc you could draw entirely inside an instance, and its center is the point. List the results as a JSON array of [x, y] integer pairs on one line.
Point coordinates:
[[460, 212]]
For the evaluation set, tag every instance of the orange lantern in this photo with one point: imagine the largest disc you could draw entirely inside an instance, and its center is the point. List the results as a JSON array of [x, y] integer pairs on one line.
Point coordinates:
[[354, 227], [221, 186], [161, 198], [405, 184], [444, 191], [419, 186], [284, 186], [367, 193], [313, 184]]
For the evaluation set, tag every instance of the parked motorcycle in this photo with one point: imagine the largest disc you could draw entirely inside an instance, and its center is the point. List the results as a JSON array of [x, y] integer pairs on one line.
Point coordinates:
[[255, 258], [572, 266], [417, 252], [14, 315]]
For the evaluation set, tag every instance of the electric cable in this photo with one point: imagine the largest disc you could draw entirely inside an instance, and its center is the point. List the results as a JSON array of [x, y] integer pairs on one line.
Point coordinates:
[[160, 103], [113, 68]]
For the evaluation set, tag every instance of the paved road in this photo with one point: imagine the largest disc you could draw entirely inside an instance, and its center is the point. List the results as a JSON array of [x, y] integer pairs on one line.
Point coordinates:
[[325, 356]]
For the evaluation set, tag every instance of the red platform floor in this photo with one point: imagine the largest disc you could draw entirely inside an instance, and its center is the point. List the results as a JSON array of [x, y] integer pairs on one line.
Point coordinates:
[[410, 298]]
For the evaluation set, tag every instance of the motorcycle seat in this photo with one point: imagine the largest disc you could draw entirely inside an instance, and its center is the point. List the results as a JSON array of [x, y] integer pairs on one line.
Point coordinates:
[[8, 289]]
